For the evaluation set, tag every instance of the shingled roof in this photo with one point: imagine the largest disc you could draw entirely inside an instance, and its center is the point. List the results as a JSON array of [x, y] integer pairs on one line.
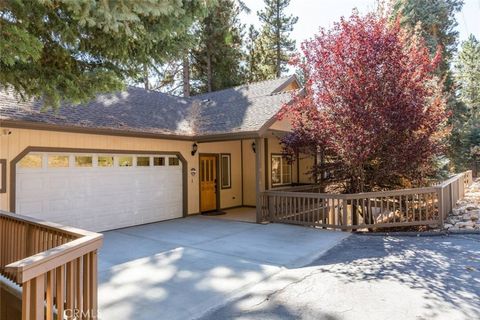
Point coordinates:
[[245, 108]]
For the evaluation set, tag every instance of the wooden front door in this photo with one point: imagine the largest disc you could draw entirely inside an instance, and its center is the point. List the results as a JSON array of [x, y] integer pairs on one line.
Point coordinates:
[[208, 183]]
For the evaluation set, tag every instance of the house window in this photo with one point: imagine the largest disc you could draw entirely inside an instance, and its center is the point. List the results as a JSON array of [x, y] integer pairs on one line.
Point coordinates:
[[158, 161], [226, 171], [105, 161], [173, 161], [83, 161], [281, 171], [31, 161], [57, 161], [143, 161], [125, 161]]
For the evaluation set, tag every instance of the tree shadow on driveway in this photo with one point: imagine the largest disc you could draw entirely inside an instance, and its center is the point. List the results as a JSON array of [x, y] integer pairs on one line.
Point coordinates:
[[446, 268]]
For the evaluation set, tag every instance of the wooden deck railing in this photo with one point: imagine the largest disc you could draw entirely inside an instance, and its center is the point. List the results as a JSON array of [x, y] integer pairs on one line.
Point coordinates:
[[397, 208], [55, 266]]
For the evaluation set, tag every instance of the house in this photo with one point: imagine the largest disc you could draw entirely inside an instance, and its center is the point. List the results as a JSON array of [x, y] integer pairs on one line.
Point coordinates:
[[141, 156]]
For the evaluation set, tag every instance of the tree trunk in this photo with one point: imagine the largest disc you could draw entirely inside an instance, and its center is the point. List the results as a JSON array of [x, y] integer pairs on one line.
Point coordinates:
[[146, 82], [186, 76], [322, 170], [209, 71], [278, 71]]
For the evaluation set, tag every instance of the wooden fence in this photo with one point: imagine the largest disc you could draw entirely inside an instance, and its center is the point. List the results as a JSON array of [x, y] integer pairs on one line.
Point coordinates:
[[55, 266], [398, 208]]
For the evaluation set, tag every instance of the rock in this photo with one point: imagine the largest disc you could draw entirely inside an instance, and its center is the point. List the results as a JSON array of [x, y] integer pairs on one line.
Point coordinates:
[[447, 226], [465, 224], [472, 215], [457, 211], [470, 208]]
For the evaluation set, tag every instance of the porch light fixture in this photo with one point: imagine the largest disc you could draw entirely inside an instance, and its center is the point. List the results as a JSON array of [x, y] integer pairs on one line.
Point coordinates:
[[194, 148], [254, 147]]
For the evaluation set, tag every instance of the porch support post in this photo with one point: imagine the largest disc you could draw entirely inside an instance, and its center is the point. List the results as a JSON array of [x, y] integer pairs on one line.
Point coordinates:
[[259, 175]]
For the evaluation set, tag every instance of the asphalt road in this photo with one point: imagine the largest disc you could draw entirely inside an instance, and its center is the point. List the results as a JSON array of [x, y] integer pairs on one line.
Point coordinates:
[[372, 277]]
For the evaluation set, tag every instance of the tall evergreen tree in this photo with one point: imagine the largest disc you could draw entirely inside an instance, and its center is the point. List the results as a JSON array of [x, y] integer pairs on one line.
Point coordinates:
[[72, 50], [252, 55], [435, 21], [275, 36], [217, 57], [468, 77], [467, 74]]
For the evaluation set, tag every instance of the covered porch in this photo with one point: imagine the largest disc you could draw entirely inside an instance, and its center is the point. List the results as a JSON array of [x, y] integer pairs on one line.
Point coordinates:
[[233, 174]]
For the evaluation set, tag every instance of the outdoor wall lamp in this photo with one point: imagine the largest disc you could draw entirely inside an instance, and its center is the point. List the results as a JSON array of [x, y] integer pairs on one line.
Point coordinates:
[[194, 148], [254, 147], [193, 172]]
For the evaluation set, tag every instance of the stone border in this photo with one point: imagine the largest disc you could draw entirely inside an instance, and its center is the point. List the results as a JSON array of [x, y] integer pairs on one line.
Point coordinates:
[[418, 233]]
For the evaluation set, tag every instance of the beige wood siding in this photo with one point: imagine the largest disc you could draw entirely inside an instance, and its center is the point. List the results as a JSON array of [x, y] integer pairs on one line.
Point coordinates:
[[282, 125], [19, 139], [249, 174], [305, 167]]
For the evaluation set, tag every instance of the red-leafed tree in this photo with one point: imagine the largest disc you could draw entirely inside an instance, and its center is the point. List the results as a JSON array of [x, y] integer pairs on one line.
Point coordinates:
[[372, 101]]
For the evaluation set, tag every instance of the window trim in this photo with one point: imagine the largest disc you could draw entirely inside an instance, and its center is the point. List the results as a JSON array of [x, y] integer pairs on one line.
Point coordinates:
[[3, 175], [283, 158], [229, 156]]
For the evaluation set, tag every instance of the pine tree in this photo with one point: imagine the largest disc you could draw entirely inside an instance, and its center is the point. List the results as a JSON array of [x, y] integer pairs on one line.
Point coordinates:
[[275, 37], [435, 22], [73, 50], [252, 56], [217, 57], [467, 75]]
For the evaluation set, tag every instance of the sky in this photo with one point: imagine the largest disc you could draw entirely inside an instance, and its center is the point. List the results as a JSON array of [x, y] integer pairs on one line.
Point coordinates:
[[313, 14]]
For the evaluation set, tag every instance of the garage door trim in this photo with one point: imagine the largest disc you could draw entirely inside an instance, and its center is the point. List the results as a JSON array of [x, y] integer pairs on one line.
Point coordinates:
[[14, 161]]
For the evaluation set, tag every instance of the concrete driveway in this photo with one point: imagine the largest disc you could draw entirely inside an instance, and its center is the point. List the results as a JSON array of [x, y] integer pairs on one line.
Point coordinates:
[[182, 268], [374, 278]]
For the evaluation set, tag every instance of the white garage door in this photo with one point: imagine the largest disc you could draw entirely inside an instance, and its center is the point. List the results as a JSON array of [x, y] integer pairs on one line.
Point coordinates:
[[99, 192]]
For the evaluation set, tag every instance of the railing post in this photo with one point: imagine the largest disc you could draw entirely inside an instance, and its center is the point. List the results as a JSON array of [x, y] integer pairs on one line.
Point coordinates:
[[344, 212], [440, 206], [93, 285]]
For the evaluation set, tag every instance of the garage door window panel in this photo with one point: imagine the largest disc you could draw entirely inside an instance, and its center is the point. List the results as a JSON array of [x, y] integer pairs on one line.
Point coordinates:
[[158, 161], [31, 161], [84, 161], [143, 161], [105, 161], [173, 161], [58, 161], [125, 161]]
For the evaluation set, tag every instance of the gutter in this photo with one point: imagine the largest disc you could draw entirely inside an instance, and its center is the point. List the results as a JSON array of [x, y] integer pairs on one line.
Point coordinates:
[[126, 133]]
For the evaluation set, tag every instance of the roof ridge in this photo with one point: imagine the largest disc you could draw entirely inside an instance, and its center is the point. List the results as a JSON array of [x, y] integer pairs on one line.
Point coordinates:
[[243, 85], [159, 92], [284, 92]]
